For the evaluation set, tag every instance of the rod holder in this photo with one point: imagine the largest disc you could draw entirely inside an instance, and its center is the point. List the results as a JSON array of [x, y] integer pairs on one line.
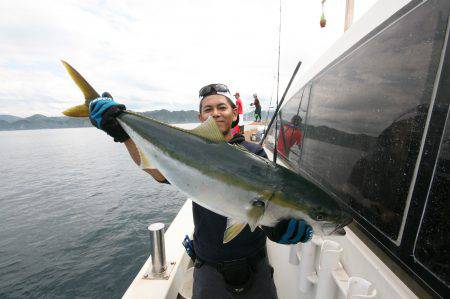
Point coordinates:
[[293, 257], [329, 260], [360, 288], [307, 270], [157, 249]]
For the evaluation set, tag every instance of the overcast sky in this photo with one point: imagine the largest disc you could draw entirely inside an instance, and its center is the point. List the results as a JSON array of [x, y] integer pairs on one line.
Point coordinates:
[[156, 54]]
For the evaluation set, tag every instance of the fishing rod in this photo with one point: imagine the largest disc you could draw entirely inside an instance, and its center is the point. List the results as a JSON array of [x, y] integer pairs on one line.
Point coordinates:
[[275, 150], [281, 102]]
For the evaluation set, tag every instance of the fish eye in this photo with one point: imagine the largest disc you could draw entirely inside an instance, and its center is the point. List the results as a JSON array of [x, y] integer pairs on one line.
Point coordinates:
[[319, 217]]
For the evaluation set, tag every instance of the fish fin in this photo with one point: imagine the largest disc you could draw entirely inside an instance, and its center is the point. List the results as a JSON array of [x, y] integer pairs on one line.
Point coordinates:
[[77, 111], [209, 130], [87, 90], [234, 227], [145, 162], [255, 213]]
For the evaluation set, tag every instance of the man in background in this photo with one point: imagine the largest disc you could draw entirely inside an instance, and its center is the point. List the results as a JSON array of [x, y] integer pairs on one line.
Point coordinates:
[[240, 111], [257, 105], [290, 134]]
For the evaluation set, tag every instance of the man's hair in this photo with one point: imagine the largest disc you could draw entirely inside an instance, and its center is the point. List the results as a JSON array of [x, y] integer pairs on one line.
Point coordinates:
[[233, 105], [296, 120]]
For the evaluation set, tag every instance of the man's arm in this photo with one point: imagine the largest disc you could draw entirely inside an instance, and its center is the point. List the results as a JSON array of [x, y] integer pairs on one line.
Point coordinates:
[[134, 153]]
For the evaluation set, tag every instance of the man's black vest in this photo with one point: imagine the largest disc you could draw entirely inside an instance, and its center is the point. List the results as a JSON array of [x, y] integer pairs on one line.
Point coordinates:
[[210, 227]]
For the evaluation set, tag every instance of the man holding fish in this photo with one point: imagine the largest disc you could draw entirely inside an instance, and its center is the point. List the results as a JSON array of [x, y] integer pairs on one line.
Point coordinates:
[[239, 196], [240, 266]]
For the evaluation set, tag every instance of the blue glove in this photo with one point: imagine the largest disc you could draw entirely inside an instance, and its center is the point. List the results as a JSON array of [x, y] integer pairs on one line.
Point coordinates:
[[289, 231], [103, 112]]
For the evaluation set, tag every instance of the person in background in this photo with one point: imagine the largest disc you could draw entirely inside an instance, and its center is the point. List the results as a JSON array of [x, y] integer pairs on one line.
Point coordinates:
[[235, 126], [240, 111], [239, 268], [290, 134], [257, 105]]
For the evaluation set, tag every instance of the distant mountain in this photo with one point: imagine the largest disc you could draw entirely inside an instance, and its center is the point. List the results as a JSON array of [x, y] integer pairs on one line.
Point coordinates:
[[39, 121], [4, 124], [174, 117], [43, 122], [37, 117], [9, 118]]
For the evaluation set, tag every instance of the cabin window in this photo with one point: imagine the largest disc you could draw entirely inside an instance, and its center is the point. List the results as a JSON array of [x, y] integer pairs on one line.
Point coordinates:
[[366, 119], [432, 247]]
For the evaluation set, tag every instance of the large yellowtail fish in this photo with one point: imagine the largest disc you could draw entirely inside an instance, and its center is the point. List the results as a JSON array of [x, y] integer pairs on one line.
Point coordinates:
[[224, 178]]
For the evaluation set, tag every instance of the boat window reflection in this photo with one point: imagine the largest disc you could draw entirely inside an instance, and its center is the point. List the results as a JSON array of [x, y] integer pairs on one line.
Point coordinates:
[[365, 119], [291, 127], [290, 138], [432, 249]]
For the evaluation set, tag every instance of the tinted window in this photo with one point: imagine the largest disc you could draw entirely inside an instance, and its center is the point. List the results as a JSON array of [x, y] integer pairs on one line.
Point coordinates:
[[433, 243], [366, 119]]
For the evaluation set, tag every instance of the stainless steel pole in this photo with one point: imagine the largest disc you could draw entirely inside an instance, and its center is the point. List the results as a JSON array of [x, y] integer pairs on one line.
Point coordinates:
[[157, 249]]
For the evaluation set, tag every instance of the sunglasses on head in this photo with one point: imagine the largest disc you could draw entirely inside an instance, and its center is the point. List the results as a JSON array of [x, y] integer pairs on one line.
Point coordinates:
[[212, 89]]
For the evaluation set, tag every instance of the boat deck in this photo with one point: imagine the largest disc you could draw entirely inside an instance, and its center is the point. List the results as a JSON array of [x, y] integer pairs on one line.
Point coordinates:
[[339, 265]]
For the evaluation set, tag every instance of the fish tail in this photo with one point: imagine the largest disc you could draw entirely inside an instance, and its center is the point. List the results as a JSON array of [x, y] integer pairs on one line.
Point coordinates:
[[87, 90]]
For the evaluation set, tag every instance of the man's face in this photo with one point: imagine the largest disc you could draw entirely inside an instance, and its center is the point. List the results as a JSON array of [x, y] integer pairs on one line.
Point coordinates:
[[218, 107]]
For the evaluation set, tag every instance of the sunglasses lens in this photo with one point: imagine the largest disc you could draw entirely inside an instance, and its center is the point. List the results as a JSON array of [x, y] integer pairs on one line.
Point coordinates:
[[207, 90], [221, 88]]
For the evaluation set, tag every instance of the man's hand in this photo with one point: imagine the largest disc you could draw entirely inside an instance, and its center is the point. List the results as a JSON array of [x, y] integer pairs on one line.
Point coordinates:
[[103, 112], [289, 231]]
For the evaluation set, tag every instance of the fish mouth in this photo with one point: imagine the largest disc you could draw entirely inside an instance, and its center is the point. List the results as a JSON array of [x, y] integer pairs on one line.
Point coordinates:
[[339, 229]]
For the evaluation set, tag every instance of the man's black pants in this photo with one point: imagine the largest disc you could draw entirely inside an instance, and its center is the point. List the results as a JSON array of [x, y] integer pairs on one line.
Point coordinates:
[[209, 283]]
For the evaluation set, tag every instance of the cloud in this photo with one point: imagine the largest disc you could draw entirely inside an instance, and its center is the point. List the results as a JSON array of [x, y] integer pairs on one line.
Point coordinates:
[[153, 54]]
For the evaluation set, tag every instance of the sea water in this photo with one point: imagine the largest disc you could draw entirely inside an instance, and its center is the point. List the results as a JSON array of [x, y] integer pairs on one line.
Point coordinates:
[[74, 211]]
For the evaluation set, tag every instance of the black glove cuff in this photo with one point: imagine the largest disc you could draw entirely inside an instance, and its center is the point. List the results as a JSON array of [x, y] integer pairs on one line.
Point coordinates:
[[111, 126], [275, 233], [278, 233], [272, 233]]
